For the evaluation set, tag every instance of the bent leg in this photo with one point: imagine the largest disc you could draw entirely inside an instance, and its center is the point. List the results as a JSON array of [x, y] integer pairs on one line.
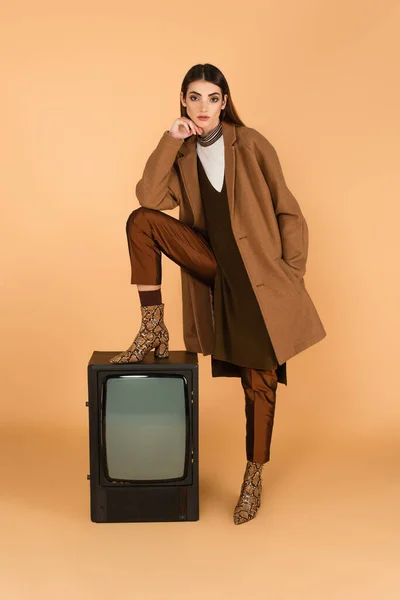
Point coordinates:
[[151, 233], [260, 396]]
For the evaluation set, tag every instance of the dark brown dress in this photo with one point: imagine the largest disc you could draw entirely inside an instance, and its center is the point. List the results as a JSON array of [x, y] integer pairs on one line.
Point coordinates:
[[240, 335]]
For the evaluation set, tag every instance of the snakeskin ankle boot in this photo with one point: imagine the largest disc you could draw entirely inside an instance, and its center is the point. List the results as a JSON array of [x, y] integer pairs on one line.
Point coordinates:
[[250, 494], [152, 334]]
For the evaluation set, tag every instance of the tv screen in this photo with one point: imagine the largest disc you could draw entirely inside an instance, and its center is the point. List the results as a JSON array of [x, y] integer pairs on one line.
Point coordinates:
[[145, 426]]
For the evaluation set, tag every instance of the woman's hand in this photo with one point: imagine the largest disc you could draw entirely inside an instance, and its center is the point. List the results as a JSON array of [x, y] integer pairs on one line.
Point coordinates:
[[183, 127]]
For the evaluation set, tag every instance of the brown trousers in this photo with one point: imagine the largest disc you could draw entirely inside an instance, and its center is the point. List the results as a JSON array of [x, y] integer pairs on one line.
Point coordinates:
[[152, 233]]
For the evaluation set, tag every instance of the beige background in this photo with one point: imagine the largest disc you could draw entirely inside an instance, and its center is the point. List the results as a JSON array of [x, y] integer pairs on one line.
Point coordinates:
[[87, 89]]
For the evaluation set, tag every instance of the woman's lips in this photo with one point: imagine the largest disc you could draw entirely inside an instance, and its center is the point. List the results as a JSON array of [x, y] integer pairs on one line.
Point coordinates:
[[204, 118]]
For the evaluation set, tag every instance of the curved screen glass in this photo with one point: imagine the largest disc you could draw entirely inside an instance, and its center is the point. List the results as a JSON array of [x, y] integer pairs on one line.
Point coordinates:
[[145, 426]]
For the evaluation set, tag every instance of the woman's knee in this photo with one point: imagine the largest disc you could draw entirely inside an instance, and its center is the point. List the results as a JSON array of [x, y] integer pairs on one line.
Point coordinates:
[[138, 215]]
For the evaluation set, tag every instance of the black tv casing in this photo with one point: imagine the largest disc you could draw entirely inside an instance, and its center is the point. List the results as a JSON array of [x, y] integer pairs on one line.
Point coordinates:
[[113, 501]]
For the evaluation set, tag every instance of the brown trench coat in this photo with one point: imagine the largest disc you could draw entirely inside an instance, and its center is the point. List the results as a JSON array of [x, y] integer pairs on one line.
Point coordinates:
[[268, 226]]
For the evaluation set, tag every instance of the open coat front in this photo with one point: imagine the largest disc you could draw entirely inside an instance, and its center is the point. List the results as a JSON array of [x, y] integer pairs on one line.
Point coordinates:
[[268, 226]]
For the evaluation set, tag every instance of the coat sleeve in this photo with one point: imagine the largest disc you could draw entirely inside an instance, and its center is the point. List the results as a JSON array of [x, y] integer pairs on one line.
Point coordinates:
[[292, 224], [159, 187]]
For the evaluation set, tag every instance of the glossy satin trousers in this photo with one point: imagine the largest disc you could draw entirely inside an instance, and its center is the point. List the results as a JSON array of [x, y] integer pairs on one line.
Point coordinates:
[[150, 234]]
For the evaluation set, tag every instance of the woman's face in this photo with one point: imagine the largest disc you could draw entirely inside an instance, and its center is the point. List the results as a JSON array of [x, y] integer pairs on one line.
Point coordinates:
[[204, 98]]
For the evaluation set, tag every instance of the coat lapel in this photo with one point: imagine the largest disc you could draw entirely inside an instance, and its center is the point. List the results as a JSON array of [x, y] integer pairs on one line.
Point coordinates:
[[188, 168]]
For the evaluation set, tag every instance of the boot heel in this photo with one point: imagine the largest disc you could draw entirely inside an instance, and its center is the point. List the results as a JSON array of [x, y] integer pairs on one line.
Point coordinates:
[[161, 354]]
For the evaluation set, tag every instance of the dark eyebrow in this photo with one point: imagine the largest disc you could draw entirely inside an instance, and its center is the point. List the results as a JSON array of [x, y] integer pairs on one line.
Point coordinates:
[[217, 93]]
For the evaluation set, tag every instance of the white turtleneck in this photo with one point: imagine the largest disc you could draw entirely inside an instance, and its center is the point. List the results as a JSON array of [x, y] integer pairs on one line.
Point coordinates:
[[213, 160]]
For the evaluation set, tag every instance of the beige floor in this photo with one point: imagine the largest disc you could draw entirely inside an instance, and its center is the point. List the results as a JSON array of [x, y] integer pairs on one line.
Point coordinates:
[[328, 528]]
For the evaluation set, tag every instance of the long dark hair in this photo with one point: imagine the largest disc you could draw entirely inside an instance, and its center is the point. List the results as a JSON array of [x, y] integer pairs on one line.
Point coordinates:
[[213, 75]]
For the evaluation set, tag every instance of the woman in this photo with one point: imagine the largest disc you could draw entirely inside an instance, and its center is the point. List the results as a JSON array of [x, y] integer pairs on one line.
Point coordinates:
[[241, 242]]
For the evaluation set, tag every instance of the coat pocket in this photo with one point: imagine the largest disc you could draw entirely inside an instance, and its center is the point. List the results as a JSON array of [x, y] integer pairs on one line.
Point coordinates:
[[289, 273]]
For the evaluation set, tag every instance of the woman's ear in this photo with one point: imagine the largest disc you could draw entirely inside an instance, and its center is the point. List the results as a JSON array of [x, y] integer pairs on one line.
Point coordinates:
[[183, 100]]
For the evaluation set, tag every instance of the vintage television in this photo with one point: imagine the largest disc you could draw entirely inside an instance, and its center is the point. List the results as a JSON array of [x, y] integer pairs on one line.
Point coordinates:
[[143, 438]]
